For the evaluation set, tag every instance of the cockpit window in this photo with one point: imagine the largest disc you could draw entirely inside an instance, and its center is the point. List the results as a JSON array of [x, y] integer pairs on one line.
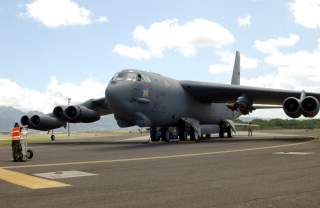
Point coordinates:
[[131, 76]]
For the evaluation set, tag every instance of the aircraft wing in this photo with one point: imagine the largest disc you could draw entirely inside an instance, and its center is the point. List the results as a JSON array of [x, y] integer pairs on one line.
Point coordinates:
[[223, 93], [87, 112], [100, 105]]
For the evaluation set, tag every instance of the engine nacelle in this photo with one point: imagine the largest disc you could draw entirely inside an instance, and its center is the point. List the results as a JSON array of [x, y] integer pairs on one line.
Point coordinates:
[[292, 107], [243, 105], [58, 112], [310, 106], [25, 121], [78, 113], [44, 122]]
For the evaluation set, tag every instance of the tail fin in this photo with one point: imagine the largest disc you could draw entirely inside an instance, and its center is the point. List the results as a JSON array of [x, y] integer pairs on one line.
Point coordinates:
[[236, 70]]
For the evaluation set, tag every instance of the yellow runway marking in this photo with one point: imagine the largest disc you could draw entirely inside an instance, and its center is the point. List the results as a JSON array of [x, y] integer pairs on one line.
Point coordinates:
[[157, 157], [28, 181]]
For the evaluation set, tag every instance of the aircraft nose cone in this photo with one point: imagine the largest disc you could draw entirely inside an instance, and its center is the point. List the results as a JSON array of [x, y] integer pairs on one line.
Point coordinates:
[[118, 96]]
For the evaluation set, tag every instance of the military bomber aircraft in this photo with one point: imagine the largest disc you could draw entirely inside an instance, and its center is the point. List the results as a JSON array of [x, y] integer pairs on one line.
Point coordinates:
[[177, 109]]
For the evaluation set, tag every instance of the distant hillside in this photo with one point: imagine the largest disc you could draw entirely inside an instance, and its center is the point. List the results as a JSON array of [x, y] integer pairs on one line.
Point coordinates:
[[9, 115]]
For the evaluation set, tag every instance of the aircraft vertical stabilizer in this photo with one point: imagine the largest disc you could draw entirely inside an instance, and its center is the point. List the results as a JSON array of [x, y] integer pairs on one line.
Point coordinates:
[[236, 70]]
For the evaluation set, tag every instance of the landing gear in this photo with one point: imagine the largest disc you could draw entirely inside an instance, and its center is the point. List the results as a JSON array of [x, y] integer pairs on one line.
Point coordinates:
[[52, 137], [154, 134], [182, 133], [225, 129], [229, 133], [221, 132], [194, 136], [165, 135]]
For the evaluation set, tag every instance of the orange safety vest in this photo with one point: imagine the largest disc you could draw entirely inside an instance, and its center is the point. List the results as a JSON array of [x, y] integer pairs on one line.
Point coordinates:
[[15, 133]]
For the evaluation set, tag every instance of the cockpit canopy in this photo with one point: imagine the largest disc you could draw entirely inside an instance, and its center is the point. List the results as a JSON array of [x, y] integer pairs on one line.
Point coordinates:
[[130, 76]]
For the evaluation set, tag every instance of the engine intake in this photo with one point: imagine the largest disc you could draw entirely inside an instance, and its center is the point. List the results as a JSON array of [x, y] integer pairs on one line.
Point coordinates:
[[243, 105], [25, 121], [291, 107], [78, 113], [310, 106], [58, 112]]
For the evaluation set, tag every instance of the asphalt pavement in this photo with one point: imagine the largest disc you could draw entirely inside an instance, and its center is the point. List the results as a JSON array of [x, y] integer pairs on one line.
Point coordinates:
[[267, 170]]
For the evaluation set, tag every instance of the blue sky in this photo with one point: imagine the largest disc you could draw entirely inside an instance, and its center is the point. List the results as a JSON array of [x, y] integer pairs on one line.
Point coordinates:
[[46, 47]]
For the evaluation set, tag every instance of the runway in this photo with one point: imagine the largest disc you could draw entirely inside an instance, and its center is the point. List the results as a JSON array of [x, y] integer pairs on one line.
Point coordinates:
[[267, 170]]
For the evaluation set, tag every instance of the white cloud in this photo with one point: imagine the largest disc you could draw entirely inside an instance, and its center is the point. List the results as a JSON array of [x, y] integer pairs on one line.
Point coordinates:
[[299, 67], [184, 38], [132, 52], [272, 45], [244, 21], [306, 12], [56, 94], [102, 19], [227, 62], [56, 13]]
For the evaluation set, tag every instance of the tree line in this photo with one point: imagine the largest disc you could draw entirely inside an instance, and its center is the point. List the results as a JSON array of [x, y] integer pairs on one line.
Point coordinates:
[[284, 123]]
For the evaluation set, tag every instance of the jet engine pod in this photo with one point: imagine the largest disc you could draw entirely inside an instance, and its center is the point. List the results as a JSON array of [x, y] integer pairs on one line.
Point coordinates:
[[292, 107], [78, 113], [243, 105], [25, 120], [310, 106], [45, 122], [58, 112]]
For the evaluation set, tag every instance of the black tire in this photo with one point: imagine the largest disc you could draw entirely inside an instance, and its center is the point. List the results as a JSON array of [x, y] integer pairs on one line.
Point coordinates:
[[154, 134], [29, 154], [165, 135], [208, 136], [221, 133], [194, 136], [229, 132], [53, 137], [181, 132]]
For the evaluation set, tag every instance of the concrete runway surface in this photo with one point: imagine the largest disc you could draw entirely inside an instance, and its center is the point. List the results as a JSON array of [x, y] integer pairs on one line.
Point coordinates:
[[267, 170]]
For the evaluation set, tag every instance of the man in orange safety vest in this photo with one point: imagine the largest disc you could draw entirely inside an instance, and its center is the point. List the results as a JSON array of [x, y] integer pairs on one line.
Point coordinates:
[[15, 142]]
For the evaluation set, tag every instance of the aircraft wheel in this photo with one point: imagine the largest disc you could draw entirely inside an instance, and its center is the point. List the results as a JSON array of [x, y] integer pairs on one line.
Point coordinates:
[[182, 133], [53, 137], [194, 136], [229, 132], [208, 136], [154, 134], [29, 154], [165, 135], [221, 133]]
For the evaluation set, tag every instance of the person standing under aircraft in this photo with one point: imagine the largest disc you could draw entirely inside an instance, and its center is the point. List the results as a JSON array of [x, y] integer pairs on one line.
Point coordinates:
[[249, 129]]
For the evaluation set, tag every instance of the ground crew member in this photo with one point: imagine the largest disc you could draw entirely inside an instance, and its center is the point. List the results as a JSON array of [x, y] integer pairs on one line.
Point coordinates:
[[249, 129], [15, 144]]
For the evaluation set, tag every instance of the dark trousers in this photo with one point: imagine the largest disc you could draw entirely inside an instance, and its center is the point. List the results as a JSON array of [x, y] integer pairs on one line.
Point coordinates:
[[16, 150]]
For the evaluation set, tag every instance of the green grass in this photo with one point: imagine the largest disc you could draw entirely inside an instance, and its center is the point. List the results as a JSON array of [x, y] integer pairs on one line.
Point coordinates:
[[40, 137]]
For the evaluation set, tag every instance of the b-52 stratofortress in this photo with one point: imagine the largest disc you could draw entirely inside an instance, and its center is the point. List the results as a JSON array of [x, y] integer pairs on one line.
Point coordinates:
[[177, 109]]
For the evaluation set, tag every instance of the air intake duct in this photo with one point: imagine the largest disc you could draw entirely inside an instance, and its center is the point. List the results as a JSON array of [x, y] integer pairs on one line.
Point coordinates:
[[79, 113], [310, 106]]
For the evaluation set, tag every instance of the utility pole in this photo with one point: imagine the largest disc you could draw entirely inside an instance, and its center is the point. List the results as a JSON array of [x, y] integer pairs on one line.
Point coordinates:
[[68, 124]]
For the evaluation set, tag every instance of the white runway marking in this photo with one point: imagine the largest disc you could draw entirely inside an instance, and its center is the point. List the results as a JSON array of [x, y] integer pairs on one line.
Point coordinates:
[[293, 153], [158, 157], [142, 138], [64, 174]]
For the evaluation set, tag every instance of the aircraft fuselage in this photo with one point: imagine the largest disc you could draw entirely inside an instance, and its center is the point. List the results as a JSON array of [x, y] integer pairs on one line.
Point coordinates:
[[149, 99]]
